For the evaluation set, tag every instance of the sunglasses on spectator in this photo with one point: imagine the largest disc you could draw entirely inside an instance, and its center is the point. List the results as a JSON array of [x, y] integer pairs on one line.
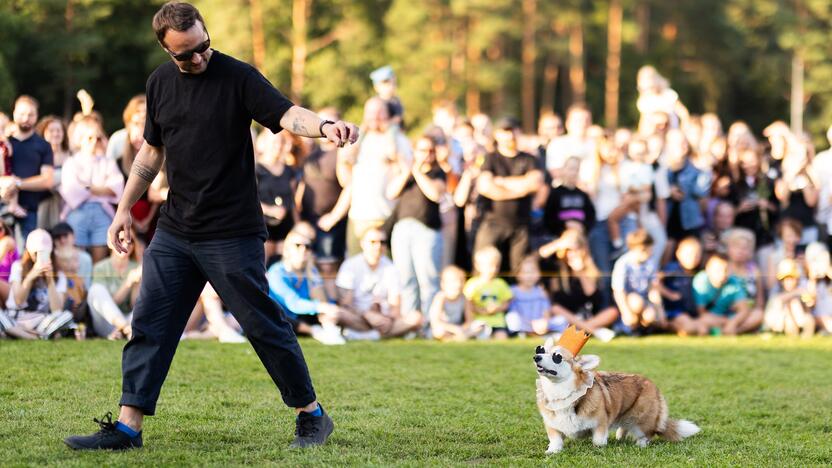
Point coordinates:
[[188, 55]]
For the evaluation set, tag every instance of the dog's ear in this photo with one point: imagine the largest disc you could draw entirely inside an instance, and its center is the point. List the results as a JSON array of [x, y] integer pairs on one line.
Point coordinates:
[[588, 361], [549, 344]]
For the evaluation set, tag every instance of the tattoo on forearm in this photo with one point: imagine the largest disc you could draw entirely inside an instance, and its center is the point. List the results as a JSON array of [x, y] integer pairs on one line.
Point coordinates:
[[145, 172], [298, 128]]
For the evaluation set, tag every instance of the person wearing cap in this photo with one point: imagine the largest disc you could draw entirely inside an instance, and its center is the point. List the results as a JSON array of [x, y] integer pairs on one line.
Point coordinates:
[[788, 310], [36, 299], [507, 183], [384, 82]]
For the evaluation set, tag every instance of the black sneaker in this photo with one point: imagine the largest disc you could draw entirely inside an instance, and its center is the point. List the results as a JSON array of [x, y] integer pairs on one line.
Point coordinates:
[[312, 430], [107, 438]]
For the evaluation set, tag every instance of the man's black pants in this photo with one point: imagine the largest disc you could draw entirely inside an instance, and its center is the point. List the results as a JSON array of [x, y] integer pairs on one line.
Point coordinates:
[[512, 242], [174, 272]]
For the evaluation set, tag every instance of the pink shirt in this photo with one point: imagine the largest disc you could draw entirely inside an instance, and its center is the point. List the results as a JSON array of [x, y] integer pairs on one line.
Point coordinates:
[[82, 171]]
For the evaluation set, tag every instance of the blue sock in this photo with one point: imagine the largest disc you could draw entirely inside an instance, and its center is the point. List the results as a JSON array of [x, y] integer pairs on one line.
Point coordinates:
[[316, 413], [120, 426]]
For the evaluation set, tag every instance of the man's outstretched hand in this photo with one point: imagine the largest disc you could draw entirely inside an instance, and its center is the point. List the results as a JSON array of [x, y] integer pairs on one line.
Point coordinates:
[[341, 133]]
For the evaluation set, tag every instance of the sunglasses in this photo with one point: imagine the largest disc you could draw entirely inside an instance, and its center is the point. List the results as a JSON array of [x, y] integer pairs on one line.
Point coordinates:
[[187, 56]]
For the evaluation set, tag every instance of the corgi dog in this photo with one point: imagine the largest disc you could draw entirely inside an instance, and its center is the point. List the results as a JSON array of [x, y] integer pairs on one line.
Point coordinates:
[[576, 401]]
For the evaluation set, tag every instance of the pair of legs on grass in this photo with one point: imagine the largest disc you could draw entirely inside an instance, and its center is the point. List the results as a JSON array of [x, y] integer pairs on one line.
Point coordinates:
[[175, 271]]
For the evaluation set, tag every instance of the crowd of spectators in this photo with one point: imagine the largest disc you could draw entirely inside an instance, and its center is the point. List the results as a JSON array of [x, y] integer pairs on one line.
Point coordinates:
[[681, 225]]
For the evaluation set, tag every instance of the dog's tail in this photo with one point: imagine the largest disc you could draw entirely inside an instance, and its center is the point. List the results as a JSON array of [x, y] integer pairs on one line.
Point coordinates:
[[679, 429]]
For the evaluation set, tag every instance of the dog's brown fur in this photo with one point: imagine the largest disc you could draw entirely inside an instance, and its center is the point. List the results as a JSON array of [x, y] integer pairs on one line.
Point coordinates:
[[629, 402]]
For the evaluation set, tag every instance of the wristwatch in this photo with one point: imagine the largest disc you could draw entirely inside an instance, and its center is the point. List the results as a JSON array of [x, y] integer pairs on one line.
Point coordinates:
[[321, 126]]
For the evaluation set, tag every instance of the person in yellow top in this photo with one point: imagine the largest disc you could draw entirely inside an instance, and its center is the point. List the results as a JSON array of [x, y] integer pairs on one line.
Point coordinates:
[[489, 293]]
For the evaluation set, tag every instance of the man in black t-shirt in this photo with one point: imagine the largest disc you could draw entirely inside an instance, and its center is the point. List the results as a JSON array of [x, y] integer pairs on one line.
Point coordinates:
[[31, 163], [508, 180], [199, 110]]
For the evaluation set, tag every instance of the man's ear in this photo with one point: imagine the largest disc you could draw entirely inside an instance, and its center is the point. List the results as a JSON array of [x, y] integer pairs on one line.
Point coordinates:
[[549, 344], [588, 361]]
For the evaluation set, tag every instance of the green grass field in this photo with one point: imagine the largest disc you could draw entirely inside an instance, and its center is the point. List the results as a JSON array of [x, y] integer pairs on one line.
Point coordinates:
[[759, 402]]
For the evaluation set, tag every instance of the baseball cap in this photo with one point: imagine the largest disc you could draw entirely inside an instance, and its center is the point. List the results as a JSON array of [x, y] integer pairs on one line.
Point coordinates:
[[38, 240], [384, 73]]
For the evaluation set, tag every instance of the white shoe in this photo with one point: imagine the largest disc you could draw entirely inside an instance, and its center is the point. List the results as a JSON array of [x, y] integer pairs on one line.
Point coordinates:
[[231, 336], [485, 334], [604, 334], [328, 335], [53, 322], [355, 335]]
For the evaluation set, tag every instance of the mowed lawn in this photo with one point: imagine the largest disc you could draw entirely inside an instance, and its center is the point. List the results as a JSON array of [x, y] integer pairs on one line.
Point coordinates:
[[760, 402]]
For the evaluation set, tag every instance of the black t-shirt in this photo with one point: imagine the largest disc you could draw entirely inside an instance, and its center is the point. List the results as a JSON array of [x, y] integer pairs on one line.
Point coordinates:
[[414, 204], [275, 189], [510, 212], [203, 121], [29, 155], [322, 187], [571, 296], [567, 204]]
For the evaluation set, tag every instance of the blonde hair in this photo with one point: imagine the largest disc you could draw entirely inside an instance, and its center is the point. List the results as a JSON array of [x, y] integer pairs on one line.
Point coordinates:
[[452, 270], [486, 253], [736, 234]]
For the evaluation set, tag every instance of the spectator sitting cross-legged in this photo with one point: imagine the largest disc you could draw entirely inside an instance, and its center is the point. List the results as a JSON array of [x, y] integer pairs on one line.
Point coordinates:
[[489, 293], [788, 310], [530, 309], [677, 289], [722, 301], [452, 314], [635, 286], [818, 284], [115, 287], [295, 283], [368, 288], [36, 299], [64, 237], [576, 286]]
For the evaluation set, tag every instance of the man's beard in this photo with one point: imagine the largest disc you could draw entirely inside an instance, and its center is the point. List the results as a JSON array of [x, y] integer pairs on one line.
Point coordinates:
[[25, 127]]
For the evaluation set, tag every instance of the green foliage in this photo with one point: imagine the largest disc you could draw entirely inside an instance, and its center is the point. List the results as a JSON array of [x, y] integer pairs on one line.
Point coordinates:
[[416, 403], [728, 56]]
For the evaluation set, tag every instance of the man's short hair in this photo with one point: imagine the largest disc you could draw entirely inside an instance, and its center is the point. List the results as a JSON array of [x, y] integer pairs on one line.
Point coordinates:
[[61, 230], [179, 16], [27, 99], [302, 229]]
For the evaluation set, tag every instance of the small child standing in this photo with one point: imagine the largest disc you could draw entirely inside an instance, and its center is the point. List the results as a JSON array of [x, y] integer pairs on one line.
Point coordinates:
[[489, 294], [530, 310], [451, 314], [635, 286]]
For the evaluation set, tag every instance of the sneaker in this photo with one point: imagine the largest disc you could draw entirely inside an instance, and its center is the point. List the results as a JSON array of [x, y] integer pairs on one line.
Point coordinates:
[[231, 336], [355, 335], [107, 438], [312, 430], [604, 334], [330, 335], [52, 323], [485, 334]]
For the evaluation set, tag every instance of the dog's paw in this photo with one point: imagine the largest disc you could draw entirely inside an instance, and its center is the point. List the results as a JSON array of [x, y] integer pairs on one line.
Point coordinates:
[[643, 442], [554, 448], [620, 433]]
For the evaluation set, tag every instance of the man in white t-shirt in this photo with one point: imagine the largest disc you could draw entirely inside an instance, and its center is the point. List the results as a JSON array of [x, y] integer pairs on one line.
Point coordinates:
[[370, 163], [368, 288], [576, 142]]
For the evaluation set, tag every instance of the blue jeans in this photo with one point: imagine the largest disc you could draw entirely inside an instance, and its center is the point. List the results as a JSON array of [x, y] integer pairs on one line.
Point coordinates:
[[90, 223], [417, 254], [174, 273]]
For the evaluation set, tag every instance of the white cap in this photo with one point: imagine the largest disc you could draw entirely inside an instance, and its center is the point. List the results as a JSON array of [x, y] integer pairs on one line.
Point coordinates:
[[38, 240]]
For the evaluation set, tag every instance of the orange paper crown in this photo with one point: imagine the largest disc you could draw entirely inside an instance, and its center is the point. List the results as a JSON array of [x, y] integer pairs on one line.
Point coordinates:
[[573, 340]]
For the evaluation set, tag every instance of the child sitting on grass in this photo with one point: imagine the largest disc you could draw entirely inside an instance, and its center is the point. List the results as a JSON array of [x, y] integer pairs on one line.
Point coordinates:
[[530, 309], [451, 314], [635, 286], [677, 288], [722, 301], [489, 294], [788, 310]]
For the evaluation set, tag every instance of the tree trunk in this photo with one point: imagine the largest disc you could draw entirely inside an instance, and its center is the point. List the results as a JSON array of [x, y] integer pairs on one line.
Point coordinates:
[[300, 26], [529, 55], [498, 96], [69, 81], [258, 39], [473, 56], [612, 84], [643, 20], [550, 82], [576, 62]]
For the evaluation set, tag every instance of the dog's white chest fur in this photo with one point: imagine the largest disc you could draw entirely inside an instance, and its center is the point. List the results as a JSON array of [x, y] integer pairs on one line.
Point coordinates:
[[559, 403]]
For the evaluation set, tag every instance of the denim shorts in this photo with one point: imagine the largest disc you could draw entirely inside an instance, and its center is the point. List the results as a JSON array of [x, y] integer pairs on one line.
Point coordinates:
[[90, 223]]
